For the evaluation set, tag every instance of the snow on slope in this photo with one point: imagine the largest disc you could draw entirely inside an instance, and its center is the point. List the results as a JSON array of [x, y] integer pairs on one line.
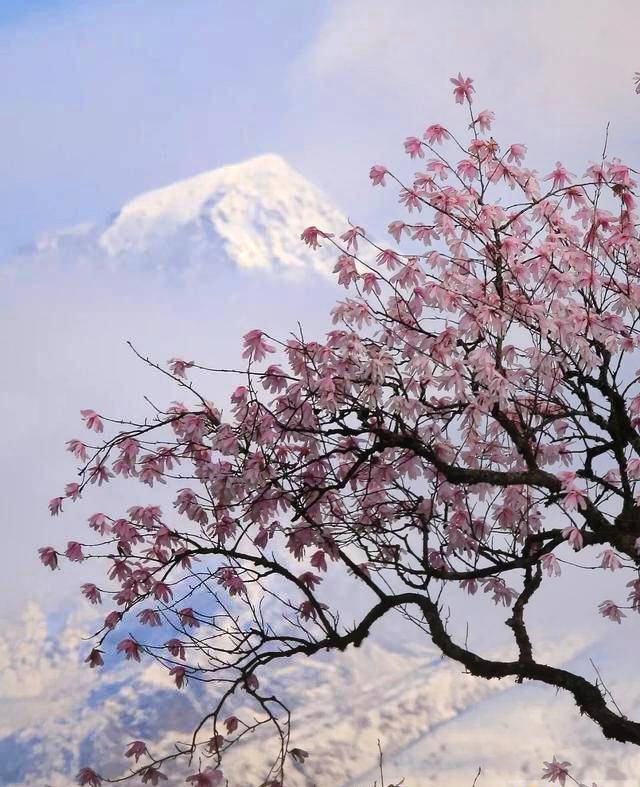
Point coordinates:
[[73, 716], [436, 725], [248, 216]]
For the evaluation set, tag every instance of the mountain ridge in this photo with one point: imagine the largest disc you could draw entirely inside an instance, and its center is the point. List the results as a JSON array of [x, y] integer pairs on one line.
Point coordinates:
[[436, 724], [247, 216]]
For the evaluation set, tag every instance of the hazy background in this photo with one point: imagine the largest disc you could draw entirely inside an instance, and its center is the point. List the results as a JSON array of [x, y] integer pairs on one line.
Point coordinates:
[[100, 101], [103, 100]]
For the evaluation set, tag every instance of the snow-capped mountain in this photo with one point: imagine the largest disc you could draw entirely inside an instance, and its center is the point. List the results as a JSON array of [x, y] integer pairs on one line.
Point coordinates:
[[248, 216]]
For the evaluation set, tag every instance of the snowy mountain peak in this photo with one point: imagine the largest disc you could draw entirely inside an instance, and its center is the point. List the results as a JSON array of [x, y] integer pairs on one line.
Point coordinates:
[[248, 215], [187, 200]]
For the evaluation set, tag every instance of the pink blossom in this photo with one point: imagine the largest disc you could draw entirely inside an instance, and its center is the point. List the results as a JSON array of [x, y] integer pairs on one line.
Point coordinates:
[[149, 617], [610, 560], [516, 153], [188, 618], [112, 619], [350, 237], [162, 592], [621, 174], [389, 258], [74, 552], [179, 367], [574, 499], [574, 537], [633, 469], [501, 593], [439, 169], [130, 649], [99, 473], [72, 490], [378, 174], [568, 477], [230, 580], [410, 199], [396, 228], [77, 448], [436, 134], [470, 585], [145, 515], [231, 723], [151, 775], [309, 611], [179, 674], [100, 523], [55, 505], [556, 771], [91, 592], [136, 749], [299, 755], [467, 170], [175, 648], [262, 538], [310, 579], [551, 565], [94, 659], [346, 269], [463, 88], [485, 119], [88, 776], [608, 609], [256, 347], [574, 195], [413, 147], [634, 594], [210, 777], [319, 560], [311, 234], [92, 420], [129, 448], [126, 532], [119, 570], [560, 176], [49, 557], [215, 743], [371, 283], [124, 467]]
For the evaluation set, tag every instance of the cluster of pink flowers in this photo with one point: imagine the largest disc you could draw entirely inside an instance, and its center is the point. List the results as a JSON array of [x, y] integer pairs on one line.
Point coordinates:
[[448, 428]]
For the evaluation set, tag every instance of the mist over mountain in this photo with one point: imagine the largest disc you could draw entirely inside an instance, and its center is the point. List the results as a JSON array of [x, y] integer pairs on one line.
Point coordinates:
[[247, 216]]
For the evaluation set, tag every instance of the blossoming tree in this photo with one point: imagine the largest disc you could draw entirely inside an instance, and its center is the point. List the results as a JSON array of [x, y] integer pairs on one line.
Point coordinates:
[[472, 416]]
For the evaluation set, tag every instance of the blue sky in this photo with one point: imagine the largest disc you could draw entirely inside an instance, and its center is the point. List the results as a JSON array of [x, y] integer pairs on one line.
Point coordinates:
[[108, 99], [14, 11]]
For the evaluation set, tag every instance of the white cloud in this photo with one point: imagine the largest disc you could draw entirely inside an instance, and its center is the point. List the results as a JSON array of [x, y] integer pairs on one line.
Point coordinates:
[[543, 56], [555, 73]]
